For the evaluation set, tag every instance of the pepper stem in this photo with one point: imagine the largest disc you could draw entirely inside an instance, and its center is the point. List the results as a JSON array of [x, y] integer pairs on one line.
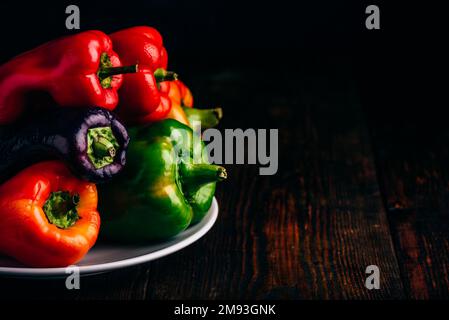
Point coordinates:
[[208, 117], [194, 176], [101, 146], [60, 209], [107, 72], [162, 75]]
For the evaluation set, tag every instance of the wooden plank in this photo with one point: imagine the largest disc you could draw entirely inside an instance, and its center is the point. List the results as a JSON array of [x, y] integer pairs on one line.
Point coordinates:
[[413, 174], [406, 102], [325, 219]]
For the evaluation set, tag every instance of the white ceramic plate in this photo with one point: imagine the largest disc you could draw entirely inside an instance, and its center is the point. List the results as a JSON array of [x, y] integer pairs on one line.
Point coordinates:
[[102, 258]]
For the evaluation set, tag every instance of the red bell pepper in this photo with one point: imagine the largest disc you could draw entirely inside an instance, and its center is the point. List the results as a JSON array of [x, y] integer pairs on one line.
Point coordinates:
[[78, 70], [48, 217], [142, 44], [141, 100]]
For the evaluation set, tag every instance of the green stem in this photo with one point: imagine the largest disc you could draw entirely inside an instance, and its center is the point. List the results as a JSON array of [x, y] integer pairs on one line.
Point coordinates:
[[164, 75], [60, 209], [107, 72], [208, 117], [101, 146], [194, 176]]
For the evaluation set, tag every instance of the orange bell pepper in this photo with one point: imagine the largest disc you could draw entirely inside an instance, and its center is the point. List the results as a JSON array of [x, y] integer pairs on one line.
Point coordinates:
[[48, 217], [185, 94], [175, 90], [182, 106]]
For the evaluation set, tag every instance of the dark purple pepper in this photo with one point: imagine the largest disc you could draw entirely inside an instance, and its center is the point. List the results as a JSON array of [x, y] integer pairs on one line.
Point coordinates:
[[81, 137]]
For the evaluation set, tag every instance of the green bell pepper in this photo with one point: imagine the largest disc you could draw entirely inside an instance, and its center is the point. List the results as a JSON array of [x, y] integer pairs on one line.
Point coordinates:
[[208, 118], [166, 185]]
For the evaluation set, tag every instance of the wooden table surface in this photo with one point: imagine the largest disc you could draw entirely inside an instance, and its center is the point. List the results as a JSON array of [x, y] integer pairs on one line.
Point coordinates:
[[351, 191]]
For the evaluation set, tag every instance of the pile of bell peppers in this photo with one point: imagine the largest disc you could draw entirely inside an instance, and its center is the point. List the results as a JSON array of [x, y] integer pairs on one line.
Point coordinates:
[[94, 124]]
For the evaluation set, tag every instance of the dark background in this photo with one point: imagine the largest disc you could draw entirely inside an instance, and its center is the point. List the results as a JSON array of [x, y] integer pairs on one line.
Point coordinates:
[[364, 140], [402, 64]]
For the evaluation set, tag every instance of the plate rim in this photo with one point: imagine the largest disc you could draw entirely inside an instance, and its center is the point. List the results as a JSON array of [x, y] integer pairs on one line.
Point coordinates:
[[120, 264]]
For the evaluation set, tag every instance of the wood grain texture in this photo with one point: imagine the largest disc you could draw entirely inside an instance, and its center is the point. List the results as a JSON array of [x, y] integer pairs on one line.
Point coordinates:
[[307, 232], [330, 209], [412, 167]]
